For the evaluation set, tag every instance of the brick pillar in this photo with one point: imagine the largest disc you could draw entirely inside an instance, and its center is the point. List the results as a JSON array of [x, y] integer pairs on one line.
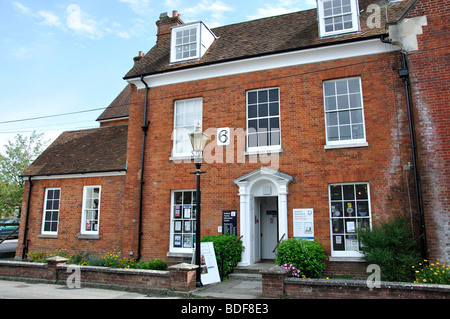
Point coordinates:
[[52, 263], [273, 282], [182, 277]]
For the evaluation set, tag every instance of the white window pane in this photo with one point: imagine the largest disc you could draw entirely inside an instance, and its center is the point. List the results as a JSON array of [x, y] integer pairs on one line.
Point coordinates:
[[358, 131], [342, 102], [345, 133], [333, 133], [330, 103], [332, 119], [355, 100], [344, 118], [356, 116]]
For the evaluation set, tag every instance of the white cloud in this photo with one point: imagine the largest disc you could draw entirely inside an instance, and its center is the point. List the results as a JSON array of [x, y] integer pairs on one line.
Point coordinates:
[[282, 7], [216, 10], [80, 22], [141, 7], [50, 19], [21, 8]]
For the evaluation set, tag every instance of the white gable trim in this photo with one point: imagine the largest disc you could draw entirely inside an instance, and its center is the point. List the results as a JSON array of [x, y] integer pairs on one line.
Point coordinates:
[[321, 54], [66, 176]]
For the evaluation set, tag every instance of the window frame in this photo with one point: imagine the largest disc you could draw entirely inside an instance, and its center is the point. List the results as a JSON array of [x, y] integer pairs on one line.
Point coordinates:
[[45, 210], [352, 142], [265, 148], [185, 129], [174, 45], [190, 221], [344, 233], [355, 19], [83, 230]]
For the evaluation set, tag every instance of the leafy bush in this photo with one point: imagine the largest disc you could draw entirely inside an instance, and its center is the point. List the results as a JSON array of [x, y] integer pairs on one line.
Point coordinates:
[[433, 273], [306, 256], [152, 264], [115, 260], [231, 257], [112, 259], [392, 247]]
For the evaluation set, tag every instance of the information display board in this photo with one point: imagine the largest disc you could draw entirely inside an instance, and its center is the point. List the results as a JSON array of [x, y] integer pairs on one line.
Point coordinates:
[[208, 264], [229, 222], [304, 223]]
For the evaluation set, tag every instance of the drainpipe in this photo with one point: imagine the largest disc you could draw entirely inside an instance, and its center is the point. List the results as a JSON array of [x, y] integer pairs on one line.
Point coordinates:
[[24, 243], [404, 75], [141, 187]]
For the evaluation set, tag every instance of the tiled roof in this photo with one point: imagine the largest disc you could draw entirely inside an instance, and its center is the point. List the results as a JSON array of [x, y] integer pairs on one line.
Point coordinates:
[[86, 151], [119, 108], [283, 33]]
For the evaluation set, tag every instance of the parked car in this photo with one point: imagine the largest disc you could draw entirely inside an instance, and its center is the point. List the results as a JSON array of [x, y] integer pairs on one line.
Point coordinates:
[[6, 230], [10, 221]]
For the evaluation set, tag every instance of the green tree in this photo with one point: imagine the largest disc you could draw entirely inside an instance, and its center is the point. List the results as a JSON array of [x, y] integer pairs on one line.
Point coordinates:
[[18, 155], [391, 246]]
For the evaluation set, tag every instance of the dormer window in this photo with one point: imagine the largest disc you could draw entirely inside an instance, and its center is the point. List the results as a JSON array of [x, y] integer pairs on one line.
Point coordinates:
[[186, 44], [190, 41], [338, 17]]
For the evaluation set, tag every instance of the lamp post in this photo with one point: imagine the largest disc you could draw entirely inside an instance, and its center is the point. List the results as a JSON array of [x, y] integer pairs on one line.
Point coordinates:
[[198, 141]]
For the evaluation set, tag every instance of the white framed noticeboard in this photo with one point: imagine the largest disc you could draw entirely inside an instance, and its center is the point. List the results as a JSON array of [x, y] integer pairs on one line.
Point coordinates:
[[208, 264], [304, 223]]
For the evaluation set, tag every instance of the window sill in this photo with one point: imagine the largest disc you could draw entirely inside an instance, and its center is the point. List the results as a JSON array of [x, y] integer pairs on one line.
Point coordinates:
[[346, 145], [84, 236], [263, 152], [179, 254], [47, 236], [185, 158], [346, 259]]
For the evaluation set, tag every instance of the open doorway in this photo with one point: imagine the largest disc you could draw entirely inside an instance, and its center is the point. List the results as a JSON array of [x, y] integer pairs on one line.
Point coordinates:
[[266, 227]]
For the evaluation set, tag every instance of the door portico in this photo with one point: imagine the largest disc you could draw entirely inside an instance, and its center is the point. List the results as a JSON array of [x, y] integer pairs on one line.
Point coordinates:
[[263, 182]]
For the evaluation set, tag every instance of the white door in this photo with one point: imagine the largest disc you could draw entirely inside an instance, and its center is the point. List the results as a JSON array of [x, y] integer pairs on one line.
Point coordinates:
[[269, 227]]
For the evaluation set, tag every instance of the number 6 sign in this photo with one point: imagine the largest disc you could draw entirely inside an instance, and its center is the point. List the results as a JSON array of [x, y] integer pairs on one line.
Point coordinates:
[[223, 136]]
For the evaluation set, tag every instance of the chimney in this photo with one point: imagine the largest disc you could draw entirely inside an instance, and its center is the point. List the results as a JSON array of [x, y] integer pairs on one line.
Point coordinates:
[[165, 23], [139, 57]]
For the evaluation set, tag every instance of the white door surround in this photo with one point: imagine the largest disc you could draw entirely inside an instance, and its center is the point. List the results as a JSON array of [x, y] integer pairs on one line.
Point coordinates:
[[263, 182]]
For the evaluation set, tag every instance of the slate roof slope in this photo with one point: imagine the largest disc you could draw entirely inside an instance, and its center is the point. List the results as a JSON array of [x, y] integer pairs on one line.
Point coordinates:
[[283, 33], [119, 108], [86, 151]]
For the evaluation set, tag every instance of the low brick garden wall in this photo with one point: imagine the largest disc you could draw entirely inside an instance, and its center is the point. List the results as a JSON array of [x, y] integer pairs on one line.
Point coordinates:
[[179, 278], [276, 284]]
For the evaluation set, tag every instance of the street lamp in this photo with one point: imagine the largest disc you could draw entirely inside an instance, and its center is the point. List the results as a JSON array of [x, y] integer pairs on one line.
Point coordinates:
[[198, 141]]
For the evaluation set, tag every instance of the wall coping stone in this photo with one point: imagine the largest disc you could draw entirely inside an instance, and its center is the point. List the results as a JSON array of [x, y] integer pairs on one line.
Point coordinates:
[[183, 267], [274, 271], [363, 283]]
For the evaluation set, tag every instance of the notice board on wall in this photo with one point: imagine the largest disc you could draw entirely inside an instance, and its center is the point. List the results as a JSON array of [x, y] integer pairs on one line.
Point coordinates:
[[229, 222], [304, 223]]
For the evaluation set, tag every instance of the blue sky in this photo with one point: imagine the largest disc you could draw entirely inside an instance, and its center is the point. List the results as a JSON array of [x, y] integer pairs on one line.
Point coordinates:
[[67, 56]]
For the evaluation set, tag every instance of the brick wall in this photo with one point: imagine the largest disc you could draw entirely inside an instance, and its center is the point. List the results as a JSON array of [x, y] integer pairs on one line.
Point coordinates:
[[430, 78], [111, 219], [179, 278], [303, 140]]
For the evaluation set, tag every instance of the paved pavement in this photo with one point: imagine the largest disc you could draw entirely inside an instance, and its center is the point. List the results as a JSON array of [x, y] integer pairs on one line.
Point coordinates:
[[232, 289], [27, 290]]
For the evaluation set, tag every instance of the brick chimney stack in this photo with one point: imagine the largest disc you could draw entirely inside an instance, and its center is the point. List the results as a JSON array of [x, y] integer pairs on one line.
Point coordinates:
[[165, 23], [139, 57]]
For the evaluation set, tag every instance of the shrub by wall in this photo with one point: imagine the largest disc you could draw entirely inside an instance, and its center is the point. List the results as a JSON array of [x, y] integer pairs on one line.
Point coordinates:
[[306, 256]]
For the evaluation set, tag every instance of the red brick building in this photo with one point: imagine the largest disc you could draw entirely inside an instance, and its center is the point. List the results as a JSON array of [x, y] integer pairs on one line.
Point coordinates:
[[319, 137]]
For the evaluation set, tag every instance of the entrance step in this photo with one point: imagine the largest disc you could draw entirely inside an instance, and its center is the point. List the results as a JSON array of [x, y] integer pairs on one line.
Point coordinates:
[[250, 273], [245, 276]]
